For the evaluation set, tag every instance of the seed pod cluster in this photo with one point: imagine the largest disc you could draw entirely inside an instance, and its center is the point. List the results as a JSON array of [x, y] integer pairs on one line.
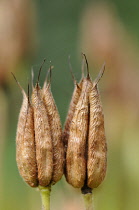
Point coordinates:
[[40, 150], [85, 137]]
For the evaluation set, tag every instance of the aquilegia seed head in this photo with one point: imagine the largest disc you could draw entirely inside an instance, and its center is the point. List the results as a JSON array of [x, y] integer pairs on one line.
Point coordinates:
[[39, 145], [86, 155]]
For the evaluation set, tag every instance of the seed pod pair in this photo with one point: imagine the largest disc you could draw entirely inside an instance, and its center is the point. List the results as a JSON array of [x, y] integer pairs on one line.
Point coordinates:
[[46, 139], [86, 147]]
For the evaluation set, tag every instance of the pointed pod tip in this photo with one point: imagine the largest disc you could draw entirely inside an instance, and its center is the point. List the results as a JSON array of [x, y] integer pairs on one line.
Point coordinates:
[[32, 77], [71, 71], [100, 74], [88, 74], [22, 90], [40, 70], [28, 93]]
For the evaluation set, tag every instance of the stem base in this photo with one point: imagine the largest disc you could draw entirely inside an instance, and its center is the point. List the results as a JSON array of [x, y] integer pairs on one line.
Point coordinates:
[[45, 197]]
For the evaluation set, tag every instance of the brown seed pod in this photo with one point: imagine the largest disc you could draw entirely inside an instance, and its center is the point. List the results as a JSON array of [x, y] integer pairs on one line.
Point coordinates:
[[25, 142], [76, 157], [74, 100], [72, 106], [43, 140], [97, 148], [56, 132]]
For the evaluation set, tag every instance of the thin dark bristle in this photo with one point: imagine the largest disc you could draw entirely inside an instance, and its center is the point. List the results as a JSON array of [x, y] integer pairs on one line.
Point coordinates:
[[71, 71], [49, 72], [17, 81], [88, 75], [100, 74], [40, 70], [82, 66]]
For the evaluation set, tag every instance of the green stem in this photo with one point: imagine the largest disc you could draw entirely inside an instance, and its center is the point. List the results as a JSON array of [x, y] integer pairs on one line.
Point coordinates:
[[88, 201], [45, 197]]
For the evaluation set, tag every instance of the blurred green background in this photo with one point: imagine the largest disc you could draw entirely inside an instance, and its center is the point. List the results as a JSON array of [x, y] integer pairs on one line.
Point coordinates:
[[105, 31]]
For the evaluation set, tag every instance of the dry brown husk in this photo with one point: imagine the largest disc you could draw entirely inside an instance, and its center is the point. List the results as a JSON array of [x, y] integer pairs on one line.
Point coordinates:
[[74, 100], [25, 144], [76, 151], [97, 149], [56, 133], [75, 97], [43, 140]]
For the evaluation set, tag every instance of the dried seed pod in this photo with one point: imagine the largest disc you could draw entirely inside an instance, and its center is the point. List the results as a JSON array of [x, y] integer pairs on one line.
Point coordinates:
[[76, 159], [25, 142], [73, 103], [43, 140], [97, 148], [74, 100], [56, 132]]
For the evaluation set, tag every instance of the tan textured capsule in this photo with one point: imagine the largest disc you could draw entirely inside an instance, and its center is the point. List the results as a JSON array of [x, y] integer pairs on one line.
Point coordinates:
[[73, 103], [43, 140], [76, 158], [56, 133], [97, 148], [25, 144], [74, 100]]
